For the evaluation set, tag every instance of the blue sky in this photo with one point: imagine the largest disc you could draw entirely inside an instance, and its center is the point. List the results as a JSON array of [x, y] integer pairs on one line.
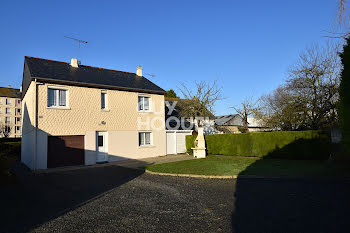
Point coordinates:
[[245, 45]]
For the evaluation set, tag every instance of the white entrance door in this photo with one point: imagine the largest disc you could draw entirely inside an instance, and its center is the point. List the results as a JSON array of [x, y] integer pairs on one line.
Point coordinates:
[[171, 143], [101, 144]]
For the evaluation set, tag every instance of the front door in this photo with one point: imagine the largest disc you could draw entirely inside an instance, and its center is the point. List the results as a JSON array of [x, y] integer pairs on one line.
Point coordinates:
[[101, 142]]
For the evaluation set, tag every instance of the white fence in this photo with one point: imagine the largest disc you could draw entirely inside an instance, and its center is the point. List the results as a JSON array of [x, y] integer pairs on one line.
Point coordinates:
[[176, 141]]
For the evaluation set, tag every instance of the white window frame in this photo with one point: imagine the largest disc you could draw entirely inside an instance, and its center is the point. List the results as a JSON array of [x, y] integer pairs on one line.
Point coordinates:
[[151, 138], [9, 120], [106, 100], [57, 97], [18, 113], [8, 112], [149, 103], [17, 120], [8, 101]]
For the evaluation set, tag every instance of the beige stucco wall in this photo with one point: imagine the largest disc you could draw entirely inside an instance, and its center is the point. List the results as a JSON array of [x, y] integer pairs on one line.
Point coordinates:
[[124, 145], [84, 111]]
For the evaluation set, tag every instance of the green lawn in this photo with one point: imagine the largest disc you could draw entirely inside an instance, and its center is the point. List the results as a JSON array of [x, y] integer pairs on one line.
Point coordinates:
[[221, 165]]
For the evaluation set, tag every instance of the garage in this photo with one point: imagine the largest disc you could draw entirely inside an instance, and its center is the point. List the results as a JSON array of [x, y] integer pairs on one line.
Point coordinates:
[[65, 151], [176, 141]]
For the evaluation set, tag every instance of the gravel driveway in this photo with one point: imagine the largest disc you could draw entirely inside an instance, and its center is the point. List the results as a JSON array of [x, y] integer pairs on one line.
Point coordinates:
[[137, 202]]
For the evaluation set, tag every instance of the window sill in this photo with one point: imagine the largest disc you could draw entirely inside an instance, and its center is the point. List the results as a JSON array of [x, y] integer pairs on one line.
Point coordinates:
[[146, 146], [61, 108], [142, 111], [105, 110]]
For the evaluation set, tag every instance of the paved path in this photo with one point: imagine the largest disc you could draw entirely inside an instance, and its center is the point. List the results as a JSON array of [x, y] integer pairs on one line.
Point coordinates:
[[118, 199], [153, 160], [129, 163]]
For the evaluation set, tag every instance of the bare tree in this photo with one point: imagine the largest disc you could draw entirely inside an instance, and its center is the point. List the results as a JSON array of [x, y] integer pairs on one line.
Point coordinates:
[[309, 98], [342, 11], [5, 130], [280, 110], [314, 82], [200, 101], [247, 107]]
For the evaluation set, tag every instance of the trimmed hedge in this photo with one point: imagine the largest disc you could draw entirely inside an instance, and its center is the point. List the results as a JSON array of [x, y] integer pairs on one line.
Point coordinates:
[[285, 144]]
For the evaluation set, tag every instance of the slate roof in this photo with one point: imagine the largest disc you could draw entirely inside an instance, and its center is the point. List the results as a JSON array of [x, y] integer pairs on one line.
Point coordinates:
[[62, 72], [222, 120], [10, 92]]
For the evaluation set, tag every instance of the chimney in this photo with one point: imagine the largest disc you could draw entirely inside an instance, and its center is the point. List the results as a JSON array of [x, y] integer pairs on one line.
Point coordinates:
[[74, 62], [139, 71], [9, 86]]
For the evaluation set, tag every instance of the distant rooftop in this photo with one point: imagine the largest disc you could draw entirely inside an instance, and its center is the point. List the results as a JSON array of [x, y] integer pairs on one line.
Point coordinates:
[[10, 92]]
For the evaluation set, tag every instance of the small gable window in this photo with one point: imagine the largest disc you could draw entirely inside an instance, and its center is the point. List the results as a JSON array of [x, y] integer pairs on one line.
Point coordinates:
[[103, 100]]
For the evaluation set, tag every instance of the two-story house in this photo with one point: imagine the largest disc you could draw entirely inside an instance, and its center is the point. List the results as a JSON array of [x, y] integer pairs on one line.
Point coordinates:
[[82, 115], [10, 111]]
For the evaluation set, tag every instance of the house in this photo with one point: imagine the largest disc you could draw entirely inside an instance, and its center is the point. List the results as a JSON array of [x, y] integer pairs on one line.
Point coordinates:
[[10, 111], [232, 123], [229, 123], [81, 115]]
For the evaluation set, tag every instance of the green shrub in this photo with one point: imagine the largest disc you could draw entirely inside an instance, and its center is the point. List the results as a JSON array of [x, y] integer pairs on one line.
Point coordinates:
[[286, 144], [190, 143]]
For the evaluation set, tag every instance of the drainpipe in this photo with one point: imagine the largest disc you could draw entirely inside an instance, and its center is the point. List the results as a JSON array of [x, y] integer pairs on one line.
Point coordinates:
[[36, 83], [35, 123]]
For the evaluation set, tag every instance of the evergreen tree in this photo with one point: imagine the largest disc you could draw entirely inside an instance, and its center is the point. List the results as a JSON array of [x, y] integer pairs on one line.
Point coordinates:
[[344, 92]]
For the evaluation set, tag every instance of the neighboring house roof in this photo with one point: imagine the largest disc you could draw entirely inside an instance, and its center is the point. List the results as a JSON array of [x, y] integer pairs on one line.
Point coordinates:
[[180, 102], [10, 92], [62, 72], [224, 120]]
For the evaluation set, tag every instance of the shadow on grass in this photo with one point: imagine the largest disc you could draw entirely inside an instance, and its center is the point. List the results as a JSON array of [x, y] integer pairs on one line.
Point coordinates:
[[293, 204]]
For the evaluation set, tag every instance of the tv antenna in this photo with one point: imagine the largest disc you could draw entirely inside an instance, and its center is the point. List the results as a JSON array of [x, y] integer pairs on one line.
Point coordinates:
[[77, 40], [152, 75]]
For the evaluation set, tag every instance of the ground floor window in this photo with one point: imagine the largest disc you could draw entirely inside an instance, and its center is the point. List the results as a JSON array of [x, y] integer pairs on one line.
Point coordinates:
[[145, 138]]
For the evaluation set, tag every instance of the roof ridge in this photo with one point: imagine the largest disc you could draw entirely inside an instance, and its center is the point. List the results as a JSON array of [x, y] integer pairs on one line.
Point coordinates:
[[81, 65]]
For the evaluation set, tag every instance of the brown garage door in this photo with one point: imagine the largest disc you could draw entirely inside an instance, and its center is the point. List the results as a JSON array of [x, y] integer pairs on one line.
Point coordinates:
[[65, 151]]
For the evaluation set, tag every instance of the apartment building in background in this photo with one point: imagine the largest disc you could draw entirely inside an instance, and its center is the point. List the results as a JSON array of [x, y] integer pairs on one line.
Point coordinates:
[[11, 110]]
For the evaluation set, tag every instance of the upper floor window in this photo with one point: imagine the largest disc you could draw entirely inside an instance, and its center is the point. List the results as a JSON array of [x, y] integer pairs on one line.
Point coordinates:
[[18, 120], [144, 103], [57, 97], [7, 120], [103, 100], [18, 102], [8, 110], [8, 101]]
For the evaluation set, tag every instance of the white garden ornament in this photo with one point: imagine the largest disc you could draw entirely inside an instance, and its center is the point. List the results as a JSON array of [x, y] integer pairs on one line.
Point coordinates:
[[199, 144]]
